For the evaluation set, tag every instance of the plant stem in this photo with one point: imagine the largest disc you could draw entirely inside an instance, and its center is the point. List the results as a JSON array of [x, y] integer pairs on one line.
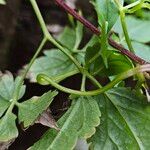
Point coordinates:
[[72, 12], [96, 31], [40, 18], [126, 52], [140, 76], [53, 41], [124, 27], [93, 79], [132, 5], [131, 8], [83, 83], [67, 53], [104, 43], [50, 38], [79, 51], [80, 68], [122, 76], [66, 75], [17, 91]]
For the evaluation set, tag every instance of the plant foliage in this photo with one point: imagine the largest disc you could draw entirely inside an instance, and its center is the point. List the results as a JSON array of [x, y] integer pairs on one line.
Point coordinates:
[[106, 117]]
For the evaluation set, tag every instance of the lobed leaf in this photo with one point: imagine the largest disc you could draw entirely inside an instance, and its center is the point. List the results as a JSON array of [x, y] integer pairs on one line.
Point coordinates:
[[7, 88], [117, 63], [138, 29], [107, 11], [79, 35], [8, 129], [68, 38], [53, 64], [8, 85], [125, 121], [4, 104], [79, 122], [142, 50], [30, 110]]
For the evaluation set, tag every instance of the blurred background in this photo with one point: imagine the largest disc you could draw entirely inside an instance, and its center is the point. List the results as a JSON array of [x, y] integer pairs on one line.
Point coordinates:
[[20, 35]]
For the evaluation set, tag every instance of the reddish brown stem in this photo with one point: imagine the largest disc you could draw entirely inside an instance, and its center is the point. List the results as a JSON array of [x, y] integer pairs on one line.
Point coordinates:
[[96, 31], [126, 52]]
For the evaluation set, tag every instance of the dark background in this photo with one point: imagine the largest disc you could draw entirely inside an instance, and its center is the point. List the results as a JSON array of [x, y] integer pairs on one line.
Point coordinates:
[[20, 35]]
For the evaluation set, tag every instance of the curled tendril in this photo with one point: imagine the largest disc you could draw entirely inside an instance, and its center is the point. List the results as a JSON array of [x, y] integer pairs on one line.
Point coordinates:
[[44, 79]]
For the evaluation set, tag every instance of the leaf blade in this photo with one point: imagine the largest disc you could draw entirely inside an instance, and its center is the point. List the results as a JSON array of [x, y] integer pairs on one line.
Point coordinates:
[[8, 129], [30, 110], [122, 124], [53, 64], [107, 11], [73, 126]]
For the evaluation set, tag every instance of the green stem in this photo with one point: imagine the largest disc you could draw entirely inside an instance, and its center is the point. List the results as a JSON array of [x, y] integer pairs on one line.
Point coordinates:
[[79, 51], [128, 41], [118, 3], [66, 75], [146, 5], [124, 27], [16, 93], [83, 83], [92, 79], [125, 75], [53, 41], [80, 68], [132, 5], [40, 18], [131, 8], [67, 53], [50, 38], [104, 43]]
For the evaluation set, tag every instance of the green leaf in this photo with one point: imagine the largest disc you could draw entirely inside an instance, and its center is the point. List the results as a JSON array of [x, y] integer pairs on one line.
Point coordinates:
[[79, 122], [30, 110], [92, 53], [138, 29], [54, 64], [3, 2], [95, 39], [117, 63], [107, 11], [4, 104], [79, 35], [142, 50], [125, 121], [8, 129], [104, 44], [68, 38], [7, 87]]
